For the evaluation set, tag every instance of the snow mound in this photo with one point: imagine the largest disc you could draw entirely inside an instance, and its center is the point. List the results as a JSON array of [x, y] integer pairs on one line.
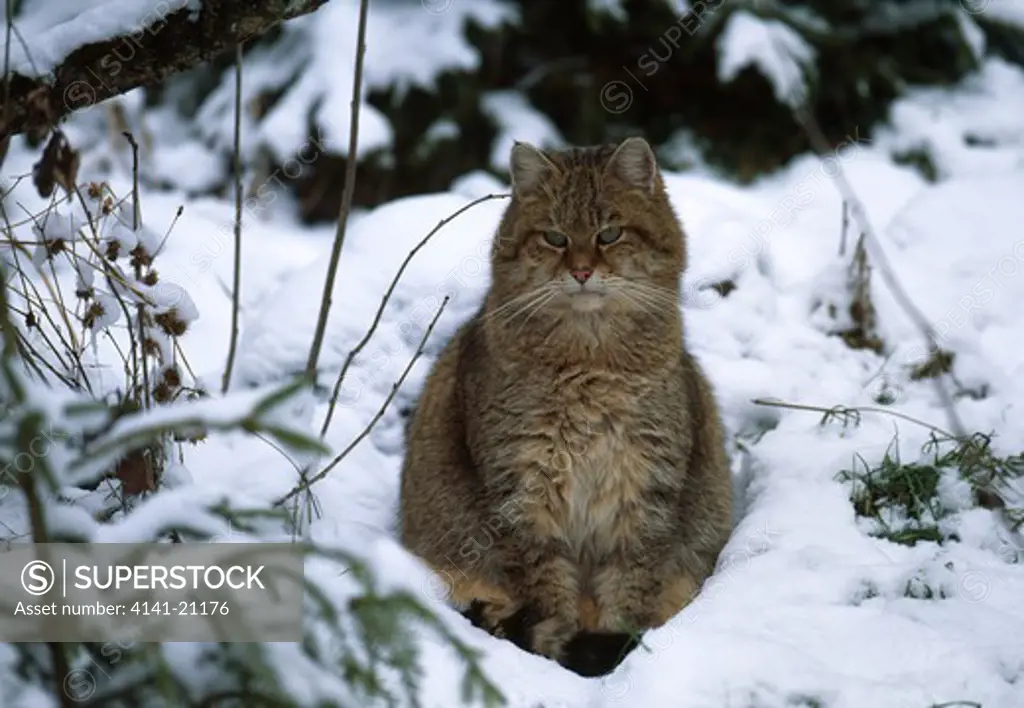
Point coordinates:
[[773, 48]]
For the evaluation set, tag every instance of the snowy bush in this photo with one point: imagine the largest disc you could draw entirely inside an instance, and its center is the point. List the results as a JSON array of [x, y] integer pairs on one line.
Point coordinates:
[[91, 453]]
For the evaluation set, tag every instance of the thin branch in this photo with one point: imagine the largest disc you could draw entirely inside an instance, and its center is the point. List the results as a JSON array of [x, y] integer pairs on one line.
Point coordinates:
[[9, 16], [346, 197], [25, 48], [835, 411], [140, 308], [63, 308], [844, 228], [304, 485], [184, 359], [10, 332], [384, 301], [280, 450], [167, 235], [237, 284], [33, 357]]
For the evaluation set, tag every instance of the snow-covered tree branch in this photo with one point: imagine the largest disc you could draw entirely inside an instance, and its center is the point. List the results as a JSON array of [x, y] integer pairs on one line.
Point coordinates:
[[143, 47]]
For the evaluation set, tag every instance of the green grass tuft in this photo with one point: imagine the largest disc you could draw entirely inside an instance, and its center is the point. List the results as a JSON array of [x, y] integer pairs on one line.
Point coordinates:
[[903, 500]]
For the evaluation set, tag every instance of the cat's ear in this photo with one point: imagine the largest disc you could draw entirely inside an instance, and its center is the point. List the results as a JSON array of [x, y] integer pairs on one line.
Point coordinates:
[[634, 164], [529, 168]]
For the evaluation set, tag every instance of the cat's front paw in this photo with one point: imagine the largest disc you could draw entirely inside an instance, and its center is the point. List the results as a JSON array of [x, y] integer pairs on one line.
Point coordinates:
[[598, 653], [550, 636]]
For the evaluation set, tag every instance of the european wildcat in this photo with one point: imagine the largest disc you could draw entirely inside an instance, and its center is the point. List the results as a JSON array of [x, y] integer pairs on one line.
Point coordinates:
[[566, 458]]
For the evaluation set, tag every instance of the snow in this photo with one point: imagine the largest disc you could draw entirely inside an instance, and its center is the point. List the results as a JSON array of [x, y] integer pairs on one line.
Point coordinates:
[[787, 615], [1010, 12], [110, 312], [517, 120], [610, 7], [58, 226], [412, 57], [806, 607], [973, 35], [52, 29], [189, 166], [323, 46], [171, 296], [478, 184], [773, 48], [946, 124], [453, 263]]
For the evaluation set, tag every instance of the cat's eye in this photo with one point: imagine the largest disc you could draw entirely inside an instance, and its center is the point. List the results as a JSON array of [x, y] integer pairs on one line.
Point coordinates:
[[556, 239], [609, 235]]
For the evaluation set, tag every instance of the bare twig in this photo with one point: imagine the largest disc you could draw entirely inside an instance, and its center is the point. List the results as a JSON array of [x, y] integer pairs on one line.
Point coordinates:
[[10, 332], [304, 485], [844, 228], [140, 308], [167, 235], [237, 284], [33, 358], [62, 308], [846, 411], [9, 16], [346, 197], [136, 206], [384, 301], [184, 359]]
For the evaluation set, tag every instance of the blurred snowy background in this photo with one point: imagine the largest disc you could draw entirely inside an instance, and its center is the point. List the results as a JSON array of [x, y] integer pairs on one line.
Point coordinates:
[[866, 568]]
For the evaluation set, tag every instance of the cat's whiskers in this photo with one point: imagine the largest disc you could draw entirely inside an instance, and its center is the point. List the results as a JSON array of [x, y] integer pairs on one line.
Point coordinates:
[[538, 298], [655, 297], [544, 301], [655, 301], [620, 289], [634, 301], [655, 289], [642, 302], [523, 299]]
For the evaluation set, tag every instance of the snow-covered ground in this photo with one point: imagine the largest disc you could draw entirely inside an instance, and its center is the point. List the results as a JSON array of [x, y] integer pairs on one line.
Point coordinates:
[[806, 609]]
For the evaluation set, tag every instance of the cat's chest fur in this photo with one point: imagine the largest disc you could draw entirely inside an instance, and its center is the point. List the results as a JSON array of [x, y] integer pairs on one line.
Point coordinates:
[[582, 435]]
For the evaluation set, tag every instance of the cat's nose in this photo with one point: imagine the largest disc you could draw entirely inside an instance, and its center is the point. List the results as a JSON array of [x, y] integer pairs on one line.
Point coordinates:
[[582, 276]]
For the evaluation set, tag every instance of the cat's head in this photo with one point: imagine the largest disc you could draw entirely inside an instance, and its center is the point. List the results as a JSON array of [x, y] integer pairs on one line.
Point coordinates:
[[589, 230]]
